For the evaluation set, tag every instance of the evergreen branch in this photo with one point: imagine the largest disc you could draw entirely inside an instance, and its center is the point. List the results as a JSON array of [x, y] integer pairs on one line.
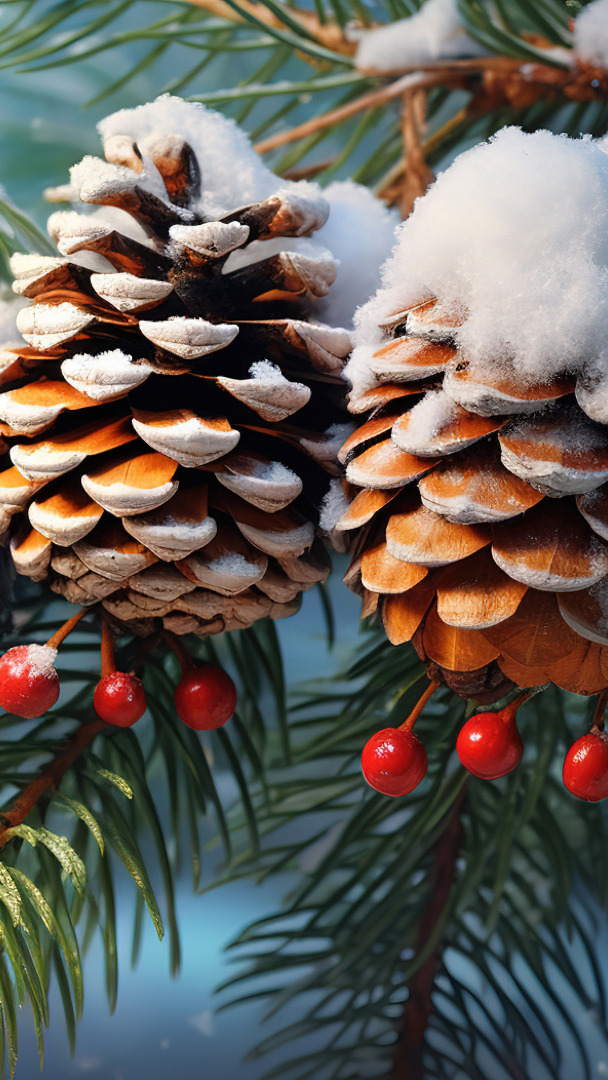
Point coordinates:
[[409, 1052], [50, 776], [395, 890], [51, 883], [372, 100]]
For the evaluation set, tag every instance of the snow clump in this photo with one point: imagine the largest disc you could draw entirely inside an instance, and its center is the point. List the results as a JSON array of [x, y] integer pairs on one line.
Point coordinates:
[[515, 234]]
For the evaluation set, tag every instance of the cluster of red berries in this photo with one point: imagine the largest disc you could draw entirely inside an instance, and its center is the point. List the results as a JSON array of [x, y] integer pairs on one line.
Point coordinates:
[[205, 697], [489, 745]]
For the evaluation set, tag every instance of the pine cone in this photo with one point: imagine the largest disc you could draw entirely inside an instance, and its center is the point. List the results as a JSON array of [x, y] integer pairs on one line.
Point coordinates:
[[479, 512], [166, 426]]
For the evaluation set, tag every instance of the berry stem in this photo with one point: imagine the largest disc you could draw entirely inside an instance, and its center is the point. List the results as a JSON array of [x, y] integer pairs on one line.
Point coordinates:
[[185, 660], [408, 724], [50, 776], [61, 634], [600, 709], [521, 699], [108, 664]]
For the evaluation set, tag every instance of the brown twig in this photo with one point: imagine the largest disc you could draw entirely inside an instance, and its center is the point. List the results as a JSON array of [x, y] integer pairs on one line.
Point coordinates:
[[50, 776], [344, 112], [308, 172], [389, 188], [418, 175], [407, 1062]]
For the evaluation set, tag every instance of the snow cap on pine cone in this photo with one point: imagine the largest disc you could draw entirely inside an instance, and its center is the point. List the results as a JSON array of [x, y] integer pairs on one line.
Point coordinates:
[[170, 426], [479, 472]]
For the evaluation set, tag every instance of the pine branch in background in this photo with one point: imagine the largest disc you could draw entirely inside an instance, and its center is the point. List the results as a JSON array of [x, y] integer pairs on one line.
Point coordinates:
[[423, 928], [529, 74]]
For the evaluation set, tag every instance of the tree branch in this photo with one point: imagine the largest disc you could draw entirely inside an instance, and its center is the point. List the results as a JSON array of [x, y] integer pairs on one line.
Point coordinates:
[[396, 89], [50, 775], [407, 1062], [418, 176]]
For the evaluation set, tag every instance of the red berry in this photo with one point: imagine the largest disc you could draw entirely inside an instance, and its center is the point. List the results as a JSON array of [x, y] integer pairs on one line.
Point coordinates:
[[489, 744], [119, 699], [205, 697], [29, 684], [586, 767], [394, 761]]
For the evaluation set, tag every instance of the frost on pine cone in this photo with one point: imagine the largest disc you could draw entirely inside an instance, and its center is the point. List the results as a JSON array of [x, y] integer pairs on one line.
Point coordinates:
[[477, 478], [168, 428]]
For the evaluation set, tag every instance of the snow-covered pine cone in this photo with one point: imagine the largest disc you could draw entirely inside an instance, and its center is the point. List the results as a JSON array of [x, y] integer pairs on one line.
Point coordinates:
[[168, 426], [479, 483]]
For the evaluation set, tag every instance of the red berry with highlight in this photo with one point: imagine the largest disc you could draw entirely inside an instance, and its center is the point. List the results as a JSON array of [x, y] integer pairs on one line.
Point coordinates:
[[394, 761], [205, 697], [586, 767], [119, 699], [489, 744], [29, 684]]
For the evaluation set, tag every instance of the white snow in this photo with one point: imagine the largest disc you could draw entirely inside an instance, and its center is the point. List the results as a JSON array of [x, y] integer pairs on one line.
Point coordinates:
[[39, 660], [515, 232], [359, 231], [435, 32], [429, 416], [360, 235], [591, 33], [267, 372], [334, 505], [273, 472], [9, 307], [233, 174], [233, 564], [95, 179]]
